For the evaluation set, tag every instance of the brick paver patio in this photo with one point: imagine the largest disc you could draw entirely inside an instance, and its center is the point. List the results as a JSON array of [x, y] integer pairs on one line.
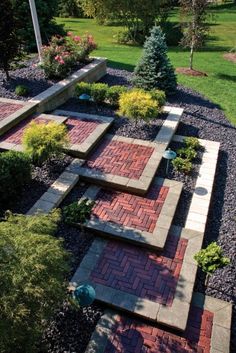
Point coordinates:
[[131, 336], [80, 130], [120, 158], [7, 109], [141, 273], [131, 210]]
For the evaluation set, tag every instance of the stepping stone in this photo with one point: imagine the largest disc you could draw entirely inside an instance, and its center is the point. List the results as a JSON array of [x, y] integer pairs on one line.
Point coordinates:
[[123, 163], [143, 220], [155, 286], [12, 139], [205, 332], [84, 130], [12, 111]]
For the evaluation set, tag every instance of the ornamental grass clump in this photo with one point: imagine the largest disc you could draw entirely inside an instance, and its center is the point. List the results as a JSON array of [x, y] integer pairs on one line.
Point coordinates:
[[42, 141], [33, 268], [137, 104]]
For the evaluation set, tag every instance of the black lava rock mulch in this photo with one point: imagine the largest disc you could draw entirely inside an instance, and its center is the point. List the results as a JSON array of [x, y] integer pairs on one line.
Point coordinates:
[[42, 178], [29, 75], [205, 120]]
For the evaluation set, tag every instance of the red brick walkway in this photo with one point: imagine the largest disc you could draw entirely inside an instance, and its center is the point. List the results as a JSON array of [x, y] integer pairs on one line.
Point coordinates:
[[79, 130], [130, 336], [15, 134], [7, 109], [140, 272], [120, 158], [129, 210]]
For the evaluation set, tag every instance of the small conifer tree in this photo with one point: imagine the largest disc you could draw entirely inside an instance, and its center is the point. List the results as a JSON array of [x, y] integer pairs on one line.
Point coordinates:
[[154, 69], [8, 42]]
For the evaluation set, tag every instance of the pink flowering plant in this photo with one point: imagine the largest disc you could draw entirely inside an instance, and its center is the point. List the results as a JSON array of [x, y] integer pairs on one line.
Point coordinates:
[[64, 53]]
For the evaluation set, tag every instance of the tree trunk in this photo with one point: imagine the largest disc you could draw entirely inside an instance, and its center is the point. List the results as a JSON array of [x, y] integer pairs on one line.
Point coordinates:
[[191, 57], [6, 72]]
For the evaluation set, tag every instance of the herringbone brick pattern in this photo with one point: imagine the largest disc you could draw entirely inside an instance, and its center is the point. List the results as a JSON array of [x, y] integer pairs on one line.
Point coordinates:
[[15, 134], [130, 210], [140, 272], [120, 158], [79, 130], [7, 109], [131, 336]]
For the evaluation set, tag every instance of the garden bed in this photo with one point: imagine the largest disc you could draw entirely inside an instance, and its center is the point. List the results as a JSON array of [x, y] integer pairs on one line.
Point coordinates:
[[201, 119], [42, 178]]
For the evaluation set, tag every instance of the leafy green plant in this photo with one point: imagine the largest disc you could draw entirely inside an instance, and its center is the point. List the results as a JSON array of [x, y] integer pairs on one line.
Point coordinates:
[[182, 165], [42, 141], [159, 96], [78, 212], [9, 43], [83, 88], [192, 142], [188, 153], [15, 172], [33, 265], [63, 53], [21, 90], [211, 258], [137, 104], [113, 94], [99, 92]]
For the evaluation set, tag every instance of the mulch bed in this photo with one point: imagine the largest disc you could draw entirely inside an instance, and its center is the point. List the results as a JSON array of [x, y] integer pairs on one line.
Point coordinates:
[[70, 330], [42, 178], [230, 57], [190, 72], [28, 74]]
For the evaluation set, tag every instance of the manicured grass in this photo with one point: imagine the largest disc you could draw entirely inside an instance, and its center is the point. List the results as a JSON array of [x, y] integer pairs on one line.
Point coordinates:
[[219, 86]]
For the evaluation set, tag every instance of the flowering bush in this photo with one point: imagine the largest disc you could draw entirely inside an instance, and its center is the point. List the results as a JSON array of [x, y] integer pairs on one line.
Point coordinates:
[[63, 53]]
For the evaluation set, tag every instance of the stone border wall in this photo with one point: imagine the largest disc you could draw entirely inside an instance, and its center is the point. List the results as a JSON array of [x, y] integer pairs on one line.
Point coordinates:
[[63, 90]]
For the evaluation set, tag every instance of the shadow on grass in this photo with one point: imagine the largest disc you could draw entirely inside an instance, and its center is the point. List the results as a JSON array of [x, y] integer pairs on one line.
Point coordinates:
[[226, 77]]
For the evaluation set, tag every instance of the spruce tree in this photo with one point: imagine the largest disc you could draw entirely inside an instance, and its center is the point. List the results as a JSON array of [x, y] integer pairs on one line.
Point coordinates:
[[8, 42], [154, 69]]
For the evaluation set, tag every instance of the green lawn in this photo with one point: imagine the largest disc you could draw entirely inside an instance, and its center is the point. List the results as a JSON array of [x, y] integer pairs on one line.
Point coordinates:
[[219, 86]]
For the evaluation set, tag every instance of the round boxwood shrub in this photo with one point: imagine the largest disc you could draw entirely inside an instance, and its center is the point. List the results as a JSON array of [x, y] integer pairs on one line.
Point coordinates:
[[33, 265], [15, 172], [137, 104]]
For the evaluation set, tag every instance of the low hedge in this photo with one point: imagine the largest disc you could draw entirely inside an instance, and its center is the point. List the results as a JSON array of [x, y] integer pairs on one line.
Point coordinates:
[[102, 93]]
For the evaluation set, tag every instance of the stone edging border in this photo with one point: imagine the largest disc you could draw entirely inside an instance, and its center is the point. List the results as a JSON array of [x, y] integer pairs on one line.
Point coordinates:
[[220, 338], [200, 203], [57, 191], [142, 307], [81, 150], [160, 143], [55, 95], [157, 238], [59, 93], [14, 118]]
